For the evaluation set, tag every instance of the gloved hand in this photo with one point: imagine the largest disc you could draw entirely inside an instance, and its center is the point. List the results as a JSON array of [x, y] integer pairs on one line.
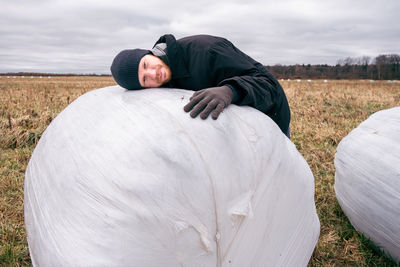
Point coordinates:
[[211, 100]]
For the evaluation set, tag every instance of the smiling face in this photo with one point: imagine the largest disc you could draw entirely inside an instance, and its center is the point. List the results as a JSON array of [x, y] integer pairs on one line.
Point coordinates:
[[153, 72]]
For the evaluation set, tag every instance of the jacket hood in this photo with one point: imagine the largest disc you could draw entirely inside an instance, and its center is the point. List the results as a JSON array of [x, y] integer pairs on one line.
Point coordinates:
[[174, 54]]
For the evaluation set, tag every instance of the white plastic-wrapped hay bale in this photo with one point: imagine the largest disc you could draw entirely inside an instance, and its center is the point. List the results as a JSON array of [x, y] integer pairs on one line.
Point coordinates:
[[127, 178], [367, 179]]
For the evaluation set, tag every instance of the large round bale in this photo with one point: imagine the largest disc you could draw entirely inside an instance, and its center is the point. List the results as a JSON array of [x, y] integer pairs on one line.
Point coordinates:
[[367, 179], [127, 178]]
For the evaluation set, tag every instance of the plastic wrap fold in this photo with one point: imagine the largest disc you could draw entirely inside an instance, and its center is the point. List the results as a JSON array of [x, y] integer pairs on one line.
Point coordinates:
[[127, 178], [367, 179]]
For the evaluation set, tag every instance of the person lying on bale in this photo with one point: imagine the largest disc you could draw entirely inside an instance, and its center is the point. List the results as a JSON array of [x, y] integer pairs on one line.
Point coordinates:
[[212, 66]]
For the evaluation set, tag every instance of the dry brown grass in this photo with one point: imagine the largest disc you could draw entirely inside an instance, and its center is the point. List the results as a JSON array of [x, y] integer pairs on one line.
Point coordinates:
[[27, 106], [322, 114]]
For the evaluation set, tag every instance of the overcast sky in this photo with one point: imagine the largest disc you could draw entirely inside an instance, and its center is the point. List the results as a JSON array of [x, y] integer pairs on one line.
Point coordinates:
[[83, 36]]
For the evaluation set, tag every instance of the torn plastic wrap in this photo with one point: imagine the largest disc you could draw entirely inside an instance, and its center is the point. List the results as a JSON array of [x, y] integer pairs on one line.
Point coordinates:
[[127, 178], [367, 179]]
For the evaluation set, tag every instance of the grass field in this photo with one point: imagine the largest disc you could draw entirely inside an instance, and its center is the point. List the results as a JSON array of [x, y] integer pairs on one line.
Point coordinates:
[[322, 114]]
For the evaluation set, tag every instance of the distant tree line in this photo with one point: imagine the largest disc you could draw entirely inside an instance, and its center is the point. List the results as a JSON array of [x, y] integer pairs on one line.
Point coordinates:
[[383, 67]]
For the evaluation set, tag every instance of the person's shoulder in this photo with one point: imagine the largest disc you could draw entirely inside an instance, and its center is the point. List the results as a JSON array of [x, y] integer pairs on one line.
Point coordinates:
[[202, 41]]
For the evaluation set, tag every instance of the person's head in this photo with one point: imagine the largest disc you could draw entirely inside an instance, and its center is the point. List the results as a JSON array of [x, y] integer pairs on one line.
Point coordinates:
[[138, 68]]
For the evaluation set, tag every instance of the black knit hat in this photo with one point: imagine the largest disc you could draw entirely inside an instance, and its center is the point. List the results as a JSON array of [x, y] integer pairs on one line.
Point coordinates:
[[125, 68]]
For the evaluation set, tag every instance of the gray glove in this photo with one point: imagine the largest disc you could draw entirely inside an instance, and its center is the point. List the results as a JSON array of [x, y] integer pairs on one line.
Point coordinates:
[[211, 100]]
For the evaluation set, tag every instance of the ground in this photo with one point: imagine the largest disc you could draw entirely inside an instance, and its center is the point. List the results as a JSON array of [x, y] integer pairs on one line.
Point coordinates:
[[322, 114]]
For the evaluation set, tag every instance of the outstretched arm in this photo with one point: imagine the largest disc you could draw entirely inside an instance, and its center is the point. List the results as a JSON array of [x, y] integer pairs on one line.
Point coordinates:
[[249, 82]]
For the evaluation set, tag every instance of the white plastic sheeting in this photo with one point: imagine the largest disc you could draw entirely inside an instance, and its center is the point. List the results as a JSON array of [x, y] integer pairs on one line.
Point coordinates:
[[367, 179], [127, 178]]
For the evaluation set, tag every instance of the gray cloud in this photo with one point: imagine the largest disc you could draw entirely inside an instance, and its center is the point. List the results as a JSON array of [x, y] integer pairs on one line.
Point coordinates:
[[84, 36]]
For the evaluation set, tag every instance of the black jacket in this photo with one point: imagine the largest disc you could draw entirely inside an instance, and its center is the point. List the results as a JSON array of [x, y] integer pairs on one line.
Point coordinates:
[[203, 61]]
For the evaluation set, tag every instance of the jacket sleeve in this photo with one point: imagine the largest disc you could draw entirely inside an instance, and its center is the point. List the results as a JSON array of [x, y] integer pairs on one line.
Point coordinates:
[[256, 91], [251, 82]]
